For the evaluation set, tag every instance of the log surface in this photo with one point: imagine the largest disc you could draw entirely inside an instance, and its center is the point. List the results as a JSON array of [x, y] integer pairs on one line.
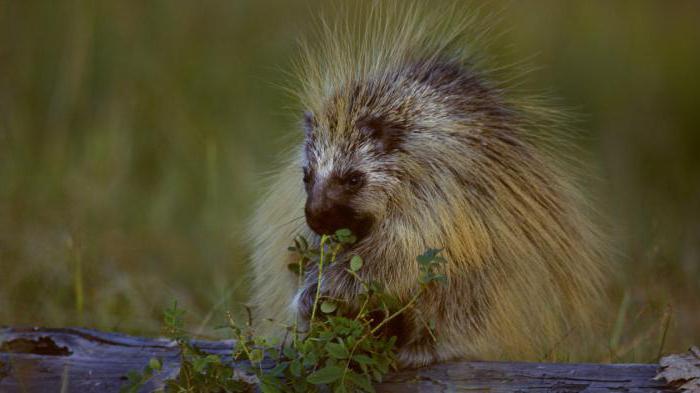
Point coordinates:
[[83, 360]]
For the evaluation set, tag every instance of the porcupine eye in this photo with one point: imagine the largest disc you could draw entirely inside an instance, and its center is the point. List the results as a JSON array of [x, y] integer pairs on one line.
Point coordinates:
[[388, 136], [353, 180]]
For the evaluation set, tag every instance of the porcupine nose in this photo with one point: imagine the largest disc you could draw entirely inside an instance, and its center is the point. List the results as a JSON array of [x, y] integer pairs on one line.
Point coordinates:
[[328, 210]]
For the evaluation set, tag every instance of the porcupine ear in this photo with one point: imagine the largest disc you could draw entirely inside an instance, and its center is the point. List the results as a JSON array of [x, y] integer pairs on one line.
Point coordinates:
[[388, 136]]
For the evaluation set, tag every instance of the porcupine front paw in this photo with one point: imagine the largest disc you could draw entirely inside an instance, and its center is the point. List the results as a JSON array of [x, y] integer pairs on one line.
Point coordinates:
[[416, 355], [304, 301]]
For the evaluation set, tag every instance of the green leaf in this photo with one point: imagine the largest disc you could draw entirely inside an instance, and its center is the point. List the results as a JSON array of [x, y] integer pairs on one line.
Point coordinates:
[[343, 232], [295, 368], [289, 352], [326, 336], [360, 380], [155, 364], [439, 259], [338, 351], [256, 356], [273, 352], [198, 364], [269, 388], [428, 256], [173, 322], [133, 376], [345, 236], [440, 277], [278, 370], [363, 359], [301, 243], [355, 263], [375, 286], [382, 366], [340, 389], [269, 384], [310, 359], [325, 375], [328, 306]]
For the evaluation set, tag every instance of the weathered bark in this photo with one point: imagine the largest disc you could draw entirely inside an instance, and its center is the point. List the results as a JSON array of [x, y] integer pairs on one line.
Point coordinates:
[[82, 360]]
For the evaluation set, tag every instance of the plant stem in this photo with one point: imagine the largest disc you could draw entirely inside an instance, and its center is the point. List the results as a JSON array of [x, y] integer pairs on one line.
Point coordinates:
[[366, 288], [399, 311], [362, 309], [300, 279], [322, 247]]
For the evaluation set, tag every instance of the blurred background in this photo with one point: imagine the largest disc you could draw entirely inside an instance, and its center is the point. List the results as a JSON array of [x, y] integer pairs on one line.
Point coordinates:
[[134, 137]]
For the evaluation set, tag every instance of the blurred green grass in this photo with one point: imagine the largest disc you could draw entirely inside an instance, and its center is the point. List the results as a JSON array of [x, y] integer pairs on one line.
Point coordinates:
[[134, 137]]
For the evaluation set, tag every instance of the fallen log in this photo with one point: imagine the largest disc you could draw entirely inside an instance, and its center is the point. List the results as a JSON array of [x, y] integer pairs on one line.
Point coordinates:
[[83, 360]]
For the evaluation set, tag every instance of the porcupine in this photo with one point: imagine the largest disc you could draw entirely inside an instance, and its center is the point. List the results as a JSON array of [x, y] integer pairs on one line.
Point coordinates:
[[410, 143]]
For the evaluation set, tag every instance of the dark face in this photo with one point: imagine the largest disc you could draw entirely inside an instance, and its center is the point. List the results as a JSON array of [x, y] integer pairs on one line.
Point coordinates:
[[329, 203], [345, 176]]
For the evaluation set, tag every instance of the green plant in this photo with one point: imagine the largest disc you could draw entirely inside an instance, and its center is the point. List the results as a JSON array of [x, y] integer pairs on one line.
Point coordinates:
[[337, 349], [199, 371]]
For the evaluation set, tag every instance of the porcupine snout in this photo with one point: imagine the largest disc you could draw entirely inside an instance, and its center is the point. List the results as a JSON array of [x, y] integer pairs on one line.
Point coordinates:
[[329, 208]]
